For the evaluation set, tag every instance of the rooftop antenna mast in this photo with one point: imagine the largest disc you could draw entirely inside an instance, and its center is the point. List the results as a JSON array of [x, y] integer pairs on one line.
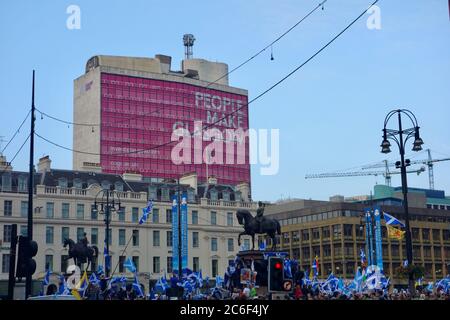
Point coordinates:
[[188, 41]]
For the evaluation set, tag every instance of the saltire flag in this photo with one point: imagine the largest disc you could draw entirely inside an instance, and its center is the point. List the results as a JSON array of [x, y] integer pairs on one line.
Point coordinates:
[[129, 265], [137, 287], [63, 289], [405, 263], [363, 258], [392, 221], [93, 279], [146, 212], [219, 281], [100, 270], [394, 233], [46, 280]]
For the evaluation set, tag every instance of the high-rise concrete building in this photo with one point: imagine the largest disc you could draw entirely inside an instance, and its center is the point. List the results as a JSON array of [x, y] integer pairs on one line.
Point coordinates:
[[127, 107]]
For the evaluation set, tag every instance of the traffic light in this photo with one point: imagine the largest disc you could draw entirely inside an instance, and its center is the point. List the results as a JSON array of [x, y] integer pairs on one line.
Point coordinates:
[[25, 262], [276, 274]]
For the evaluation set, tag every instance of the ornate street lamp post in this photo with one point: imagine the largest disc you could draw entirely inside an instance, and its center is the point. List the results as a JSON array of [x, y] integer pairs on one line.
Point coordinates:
[[108, 203], [403, 136]]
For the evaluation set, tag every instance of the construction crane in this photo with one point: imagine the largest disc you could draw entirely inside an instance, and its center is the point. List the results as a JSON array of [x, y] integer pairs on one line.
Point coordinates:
[[429, 162], [386, 174]]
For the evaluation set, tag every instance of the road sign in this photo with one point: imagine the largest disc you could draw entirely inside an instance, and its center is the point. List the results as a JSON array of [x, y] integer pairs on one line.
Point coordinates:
[[287, 285]]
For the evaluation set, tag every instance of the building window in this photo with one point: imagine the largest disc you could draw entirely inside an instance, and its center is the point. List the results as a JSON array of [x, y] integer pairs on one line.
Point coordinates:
[[337, 250], [62, 182], [169, 238], [7, 228], [305, 252], [24, 209], [121, 262], [48, 262], [121, 214], [94, 213], [6, 182], [195, 264], [325, 232], [214, 195], [348, 249], [415, 233], [22, 184], [50, 210], [214, 267], [64, 234], [213, 244], [77, 183], [168, 215], [286, 238], [395, 251], [337, 231], [156, 238], [64, 263], [23, 231], [348, 230], [65, 210], [230, 219], [152, 193], [194, 217], [134, 214], [230, 244], [446, 235], [122, 237], [94, 236], [246, 244], [80, 211], [305, 235], [7, 208], [80, 233], [106, 185], [155, 215], [316, 234], [118, 186], [170, 265], [136, 262], [436, 235], [135, 238], [5, 263], [49, 235], [213, 218], [350, 266], [327, 251], [426, 234], [437, 253], [296, 236], [156, 265], [195, 239]]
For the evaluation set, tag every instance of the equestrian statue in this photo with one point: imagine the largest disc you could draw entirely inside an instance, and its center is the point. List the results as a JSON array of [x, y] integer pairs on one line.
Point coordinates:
[[258, 225], [80, 252]]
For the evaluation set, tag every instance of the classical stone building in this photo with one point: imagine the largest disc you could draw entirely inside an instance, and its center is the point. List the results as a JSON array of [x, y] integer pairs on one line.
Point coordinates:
[[62, 209]]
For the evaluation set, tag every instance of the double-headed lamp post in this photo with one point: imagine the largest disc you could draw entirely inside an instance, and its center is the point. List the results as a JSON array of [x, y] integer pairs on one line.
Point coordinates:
[[108, 203], [403, 136]]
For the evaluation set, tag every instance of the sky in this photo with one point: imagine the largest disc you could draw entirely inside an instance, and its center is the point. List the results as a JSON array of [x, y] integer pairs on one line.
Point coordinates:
[[329, 114]]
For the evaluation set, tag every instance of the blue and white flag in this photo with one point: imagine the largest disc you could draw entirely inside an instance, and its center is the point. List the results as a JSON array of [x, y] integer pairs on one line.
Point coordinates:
[[93, 279], [137, 287], [129, 265], [100, 270], [146, 211], [363, 258], [63, 289], [219, 281], [46, 280], [392, 221]]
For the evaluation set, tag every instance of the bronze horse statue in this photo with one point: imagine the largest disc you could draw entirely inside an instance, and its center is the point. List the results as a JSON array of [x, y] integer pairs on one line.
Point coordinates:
[[251, 227], [81, 253]]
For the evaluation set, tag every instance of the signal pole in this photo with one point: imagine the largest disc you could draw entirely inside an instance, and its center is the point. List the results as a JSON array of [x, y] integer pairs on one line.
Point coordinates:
[[28, 283]]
